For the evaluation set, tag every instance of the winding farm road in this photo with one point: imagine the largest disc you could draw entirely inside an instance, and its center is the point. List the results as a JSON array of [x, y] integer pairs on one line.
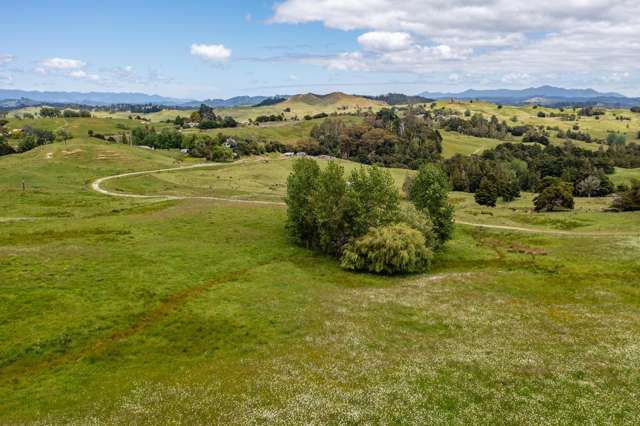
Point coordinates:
[[97, 186]]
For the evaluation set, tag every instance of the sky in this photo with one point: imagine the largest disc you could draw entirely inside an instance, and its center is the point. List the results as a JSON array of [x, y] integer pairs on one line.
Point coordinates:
[[218, 49]]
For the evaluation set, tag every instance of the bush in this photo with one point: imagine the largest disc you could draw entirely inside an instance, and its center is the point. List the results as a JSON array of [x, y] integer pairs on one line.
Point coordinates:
[[629, 199], [221, 153], [554, 196], [616, 139], [487, 193], [389, 249], [415, 219]]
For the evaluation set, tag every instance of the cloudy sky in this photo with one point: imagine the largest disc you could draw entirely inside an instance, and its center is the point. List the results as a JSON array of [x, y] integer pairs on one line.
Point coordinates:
[[202, 49]]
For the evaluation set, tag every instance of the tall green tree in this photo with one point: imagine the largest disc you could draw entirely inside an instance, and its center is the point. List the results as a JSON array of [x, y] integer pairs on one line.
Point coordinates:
[[556, 195], [429, 193], [487, 192], [331, 209], [588, 186], [302, 186], [372, 199]]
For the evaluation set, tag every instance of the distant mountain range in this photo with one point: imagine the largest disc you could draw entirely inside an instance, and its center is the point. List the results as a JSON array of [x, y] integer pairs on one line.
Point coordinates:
[[543, 95], [236, 101], [89, 98]]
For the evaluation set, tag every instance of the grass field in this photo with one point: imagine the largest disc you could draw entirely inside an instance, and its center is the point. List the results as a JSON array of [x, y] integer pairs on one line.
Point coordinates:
[[308, 104], [625, 176], [257, 178], [125, 311], [79, 127]]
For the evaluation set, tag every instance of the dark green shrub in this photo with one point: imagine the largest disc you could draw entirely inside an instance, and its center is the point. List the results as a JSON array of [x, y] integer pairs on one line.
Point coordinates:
[[555, 196], [629, 199], [487, 193]]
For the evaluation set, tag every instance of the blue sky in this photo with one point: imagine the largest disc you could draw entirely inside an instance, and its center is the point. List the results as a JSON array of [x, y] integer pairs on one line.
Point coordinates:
[[203, 49]]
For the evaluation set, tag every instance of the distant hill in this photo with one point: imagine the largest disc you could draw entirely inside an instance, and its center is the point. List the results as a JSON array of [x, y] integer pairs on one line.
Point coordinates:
[[270, 101], [23, 98], [89, 98], [545, 95], [334, 100], [237, 101], [17, 103], [400, 99]]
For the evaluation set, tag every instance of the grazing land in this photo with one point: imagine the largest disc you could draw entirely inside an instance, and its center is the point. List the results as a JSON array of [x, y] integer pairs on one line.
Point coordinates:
[[194, 311]]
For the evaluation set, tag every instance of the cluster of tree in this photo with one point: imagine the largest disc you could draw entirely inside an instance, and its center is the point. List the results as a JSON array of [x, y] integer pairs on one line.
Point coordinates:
[[133, 108], [635, 109], [591, 111], [32, 137], [316, 116], [563, 115], [224, 148], [268, 118], [383, 139], [536, 135], [553, 194], [576, 135], [47, 112], [477, 126], [214, 148], [359, 220], [509, 168], [628, 198], [207, 119], [29, 137], [69, 113], [149, 136], [627, 156]]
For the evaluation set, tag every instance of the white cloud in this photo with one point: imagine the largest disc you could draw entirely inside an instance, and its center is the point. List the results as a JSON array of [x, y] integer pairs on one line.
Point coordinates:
[[62, 63], [347, 61], [385, 41], [82, 75], [211, 52], [6, 58], [490, 41]]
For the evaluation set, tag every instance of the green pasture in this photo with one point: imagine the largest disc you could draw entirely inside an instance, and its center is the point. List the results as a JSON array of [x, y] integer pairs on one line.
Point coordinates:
[[137, 311]]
